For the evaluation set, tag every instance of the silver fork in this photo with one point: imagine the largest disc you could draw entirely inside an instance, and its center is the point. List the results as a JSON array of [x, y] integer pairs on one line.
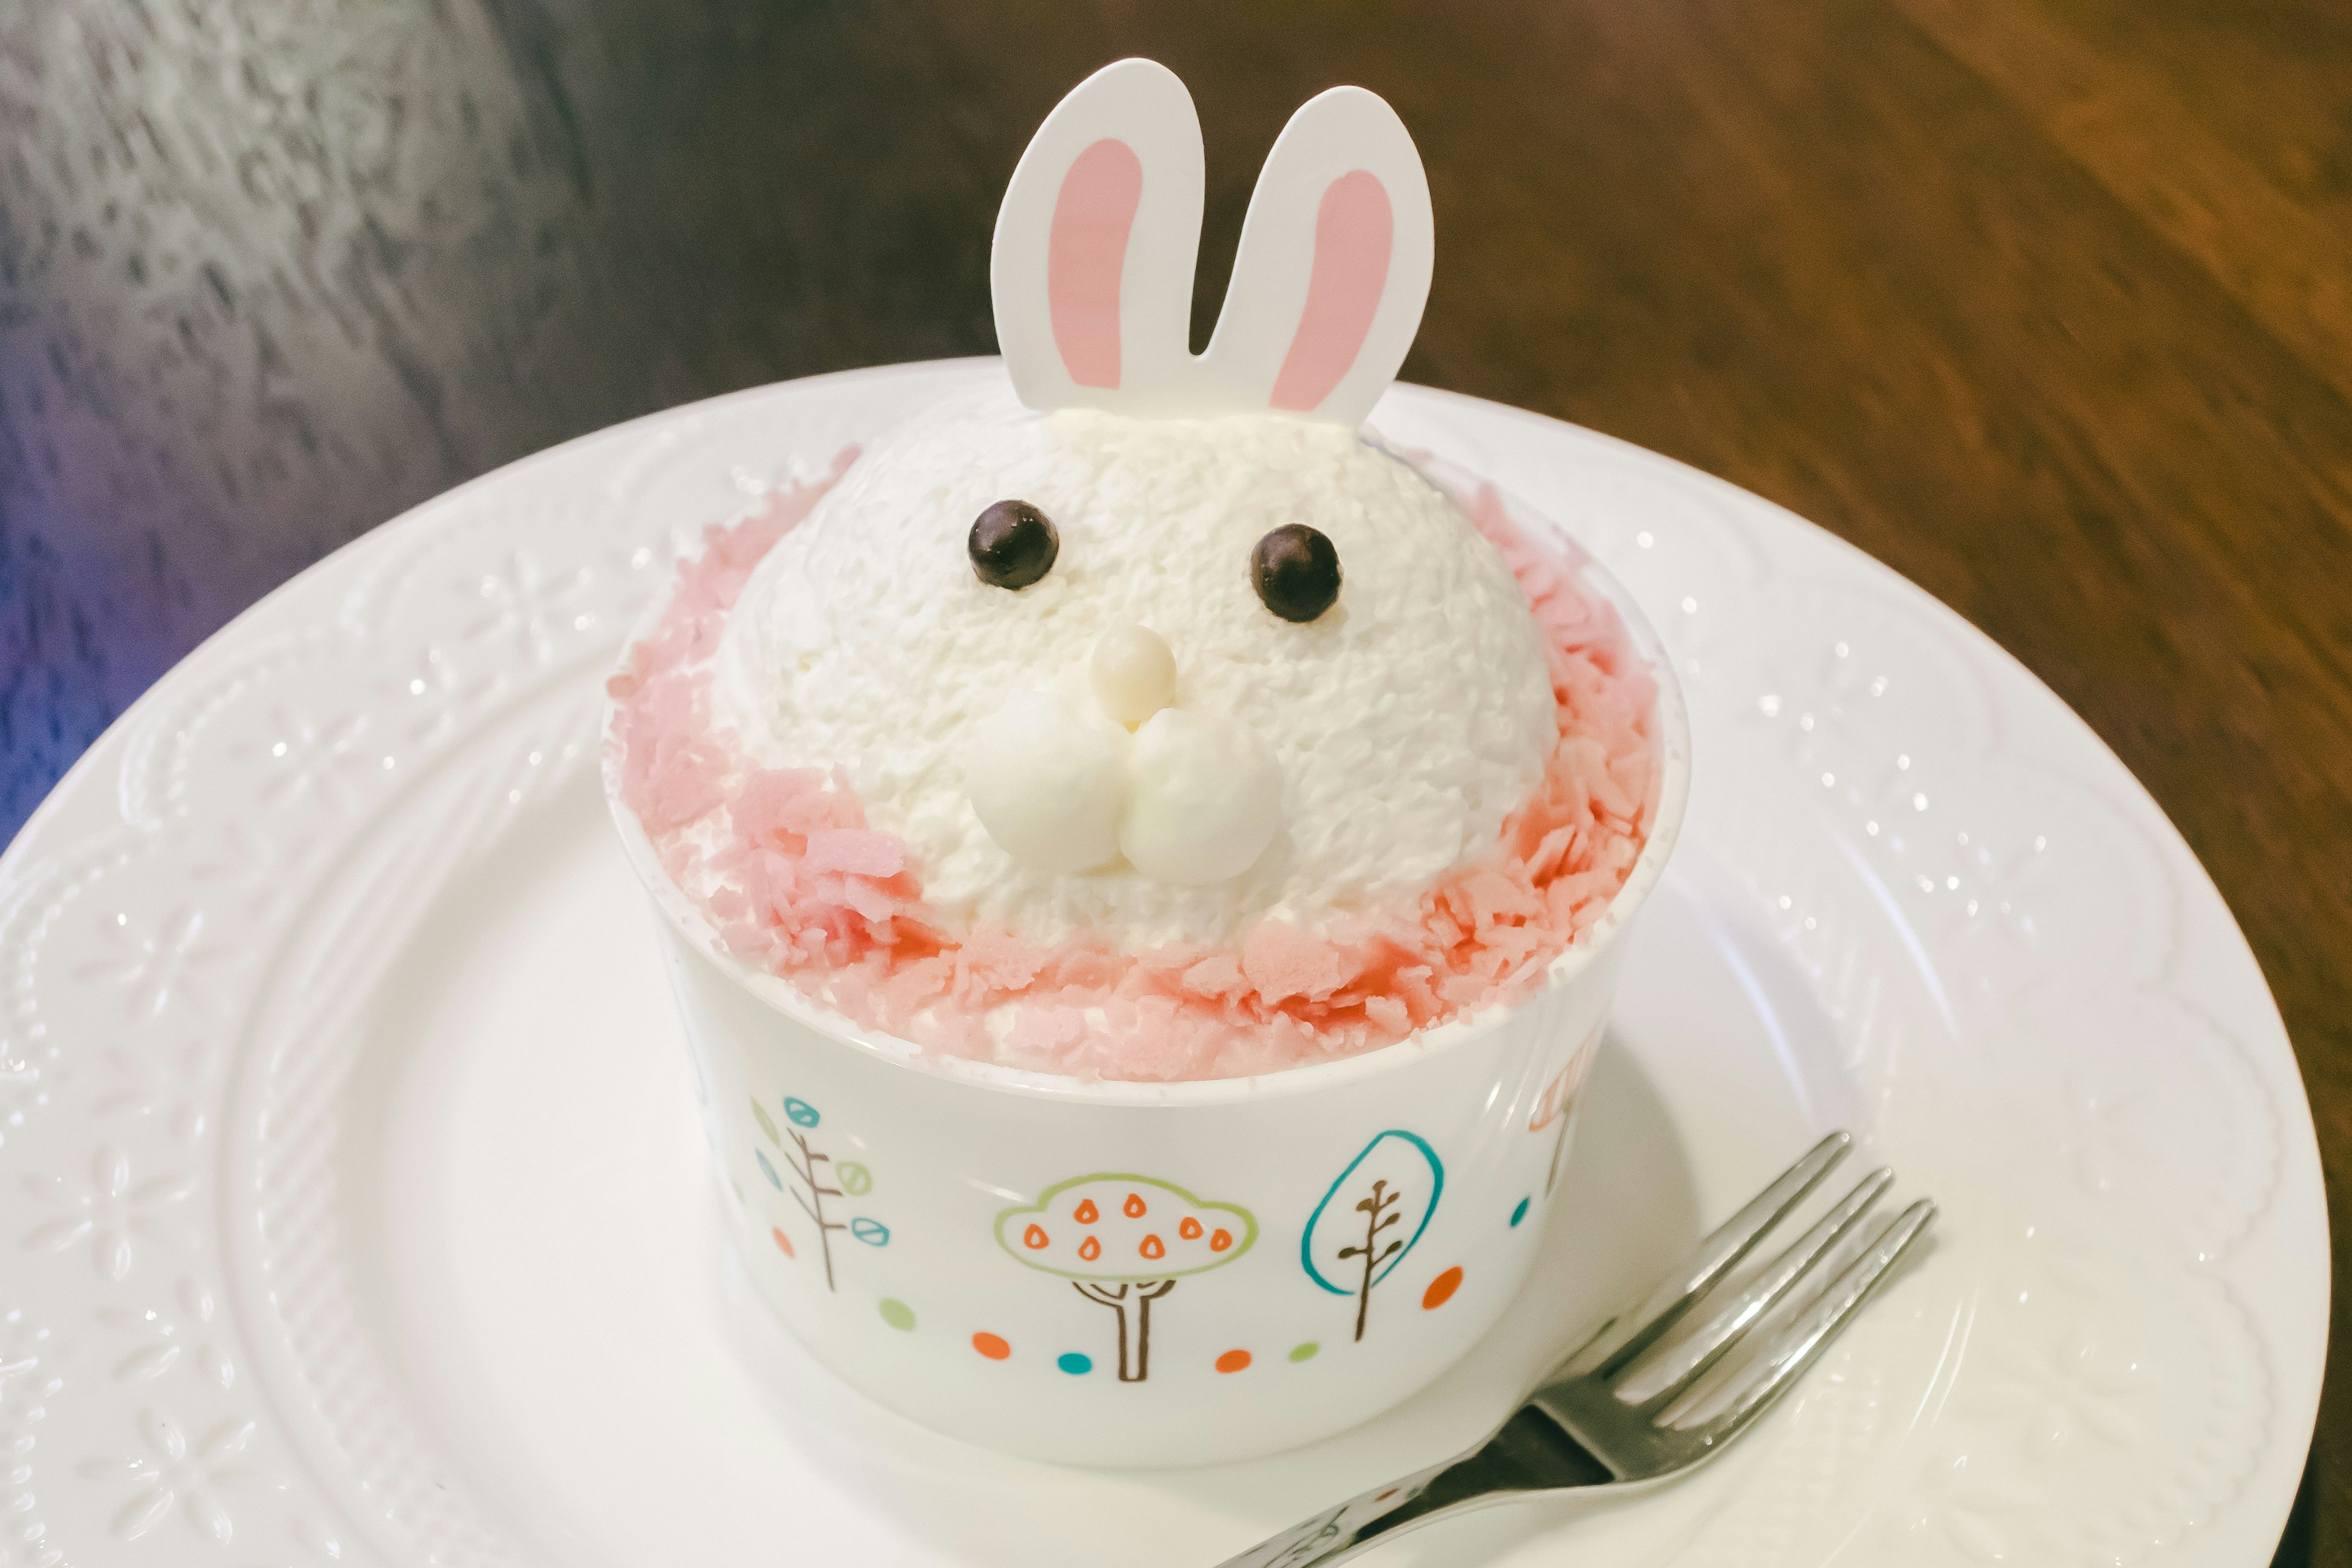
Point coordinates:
[[1612, 1415]]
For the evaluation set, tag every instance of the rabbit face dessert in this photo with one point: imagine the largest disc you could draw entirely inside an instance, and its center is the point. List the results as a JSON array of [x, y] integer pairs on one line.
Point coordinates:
[[1135, 743], [1144, 717]]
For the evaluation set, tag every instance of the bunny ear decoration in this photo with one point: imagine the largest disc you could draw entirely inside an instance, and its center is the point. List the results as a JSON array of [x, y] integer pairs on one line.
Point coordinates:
[[1099, 230], [1334, 264], [1092, 270]]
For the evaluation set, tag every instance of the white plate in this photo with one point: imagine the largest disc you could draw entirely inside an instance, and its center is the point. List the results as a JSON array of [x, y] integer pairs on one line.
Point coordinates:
[[352, 1205]]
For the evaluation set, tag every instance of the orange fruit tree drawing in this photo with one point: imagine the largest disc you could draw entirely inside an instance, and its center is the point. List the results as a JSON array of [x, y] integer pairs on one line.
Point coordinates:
[[1123, 1241]]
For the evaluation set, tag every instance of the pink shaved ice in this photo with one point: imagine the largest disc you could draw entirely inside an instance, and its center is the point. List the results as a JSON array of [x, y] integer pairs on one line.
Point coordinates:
[[799, 885]]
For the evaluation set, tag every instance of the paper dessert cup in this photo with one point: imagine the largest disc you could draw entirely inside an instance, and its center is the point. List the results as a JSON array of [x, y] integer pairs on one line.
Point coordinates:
[[914, 1219]]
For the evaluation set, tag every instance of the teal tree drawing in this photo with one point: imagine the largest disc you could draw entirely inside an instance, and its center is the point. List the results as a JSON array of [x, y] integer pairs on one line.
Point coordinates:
[[1123, 1241], [817, 1177], [1373, 1215]]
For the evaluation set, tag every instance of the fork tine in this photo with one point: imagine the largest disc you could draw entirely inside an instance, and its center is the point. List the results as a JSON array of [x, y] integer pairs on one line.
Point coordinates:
[[1629, 1334], [1682, 1365], [1722, 1412]]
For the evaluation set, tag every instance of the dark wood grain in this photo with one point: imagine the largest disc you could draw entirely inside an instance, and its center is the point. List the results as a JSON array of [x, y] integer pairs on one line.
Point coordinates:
[[2048, 305]]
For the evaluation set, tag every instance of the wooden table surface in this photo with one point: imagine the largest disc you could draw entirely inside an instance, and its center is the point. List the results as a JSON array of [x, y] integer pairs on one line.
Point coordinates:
[[2047, 305]]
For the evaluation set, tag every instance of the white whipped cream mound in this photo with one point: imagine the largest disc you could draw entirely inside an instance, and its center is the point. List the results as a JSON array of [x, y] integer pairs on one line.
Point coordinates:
[[1409, 721]]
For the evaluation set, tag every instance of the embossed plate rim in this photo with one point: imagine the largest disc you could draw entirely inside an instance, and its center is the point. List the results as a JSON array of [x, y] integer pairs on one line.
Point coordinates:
[[156, 1463]]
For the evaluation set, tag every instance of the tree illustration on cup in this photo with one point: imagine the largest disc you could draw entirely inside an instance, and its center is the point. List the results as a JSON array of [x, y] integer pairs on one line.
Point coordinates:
[[812, 1186], [1124, 1241], [1373, 1215]]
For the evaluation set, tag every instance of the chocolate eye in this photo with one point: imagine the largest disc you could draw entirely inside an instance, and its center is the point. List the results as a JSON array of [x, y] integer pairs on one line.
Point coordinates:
[[1013, 544], [1295, 572]]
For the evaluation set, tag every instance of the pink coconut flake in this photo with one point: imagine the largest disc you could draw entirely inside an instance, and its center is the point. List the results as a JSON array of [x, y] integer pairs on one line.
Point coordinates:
[[798, 884]]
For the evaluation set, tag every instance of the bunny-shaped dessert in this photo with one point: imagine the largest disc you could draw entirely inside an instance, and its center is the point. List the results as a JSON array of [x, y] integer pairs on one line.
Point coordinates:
[[1135, 714], [1132, 718], [1152, 646]]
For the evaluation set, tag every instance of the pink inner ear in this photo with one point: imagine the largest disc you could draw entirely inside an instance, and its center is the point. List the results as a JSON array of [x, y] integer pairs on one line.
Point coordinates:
[[1353, 234], [1087, 252]]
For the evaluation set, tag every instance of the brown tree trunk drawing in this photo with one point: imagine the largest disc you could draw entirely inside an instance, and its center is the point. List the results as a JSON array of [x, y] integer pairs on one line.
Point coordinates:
[[813, 1205], [1134, 1349], [1373, 1209]]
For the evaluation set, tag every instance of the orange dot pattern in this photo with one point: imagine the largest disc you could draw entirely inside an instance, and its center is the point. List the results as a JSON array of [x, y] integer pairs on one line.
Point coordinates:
[[996, 1348], [1441, 1290], [783, 1241]]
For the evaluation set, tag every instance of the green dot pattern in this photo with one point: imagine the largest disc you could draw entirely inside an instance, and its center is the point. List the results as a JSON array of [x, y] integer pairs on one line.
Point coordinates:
[[1306, 1352], [767, 1122], [898, 1314]]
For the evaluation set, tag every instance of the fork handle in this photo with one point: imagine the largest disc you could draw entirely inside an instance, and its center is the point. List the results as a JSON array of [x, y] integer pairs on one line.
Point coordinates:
[[1529, 1453]]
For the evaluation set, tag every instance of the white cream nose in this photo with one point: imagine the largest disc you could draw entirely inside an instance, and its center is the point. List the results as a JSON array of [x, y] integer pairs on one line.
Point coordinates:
[[1134, 673], [1189, 798]]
